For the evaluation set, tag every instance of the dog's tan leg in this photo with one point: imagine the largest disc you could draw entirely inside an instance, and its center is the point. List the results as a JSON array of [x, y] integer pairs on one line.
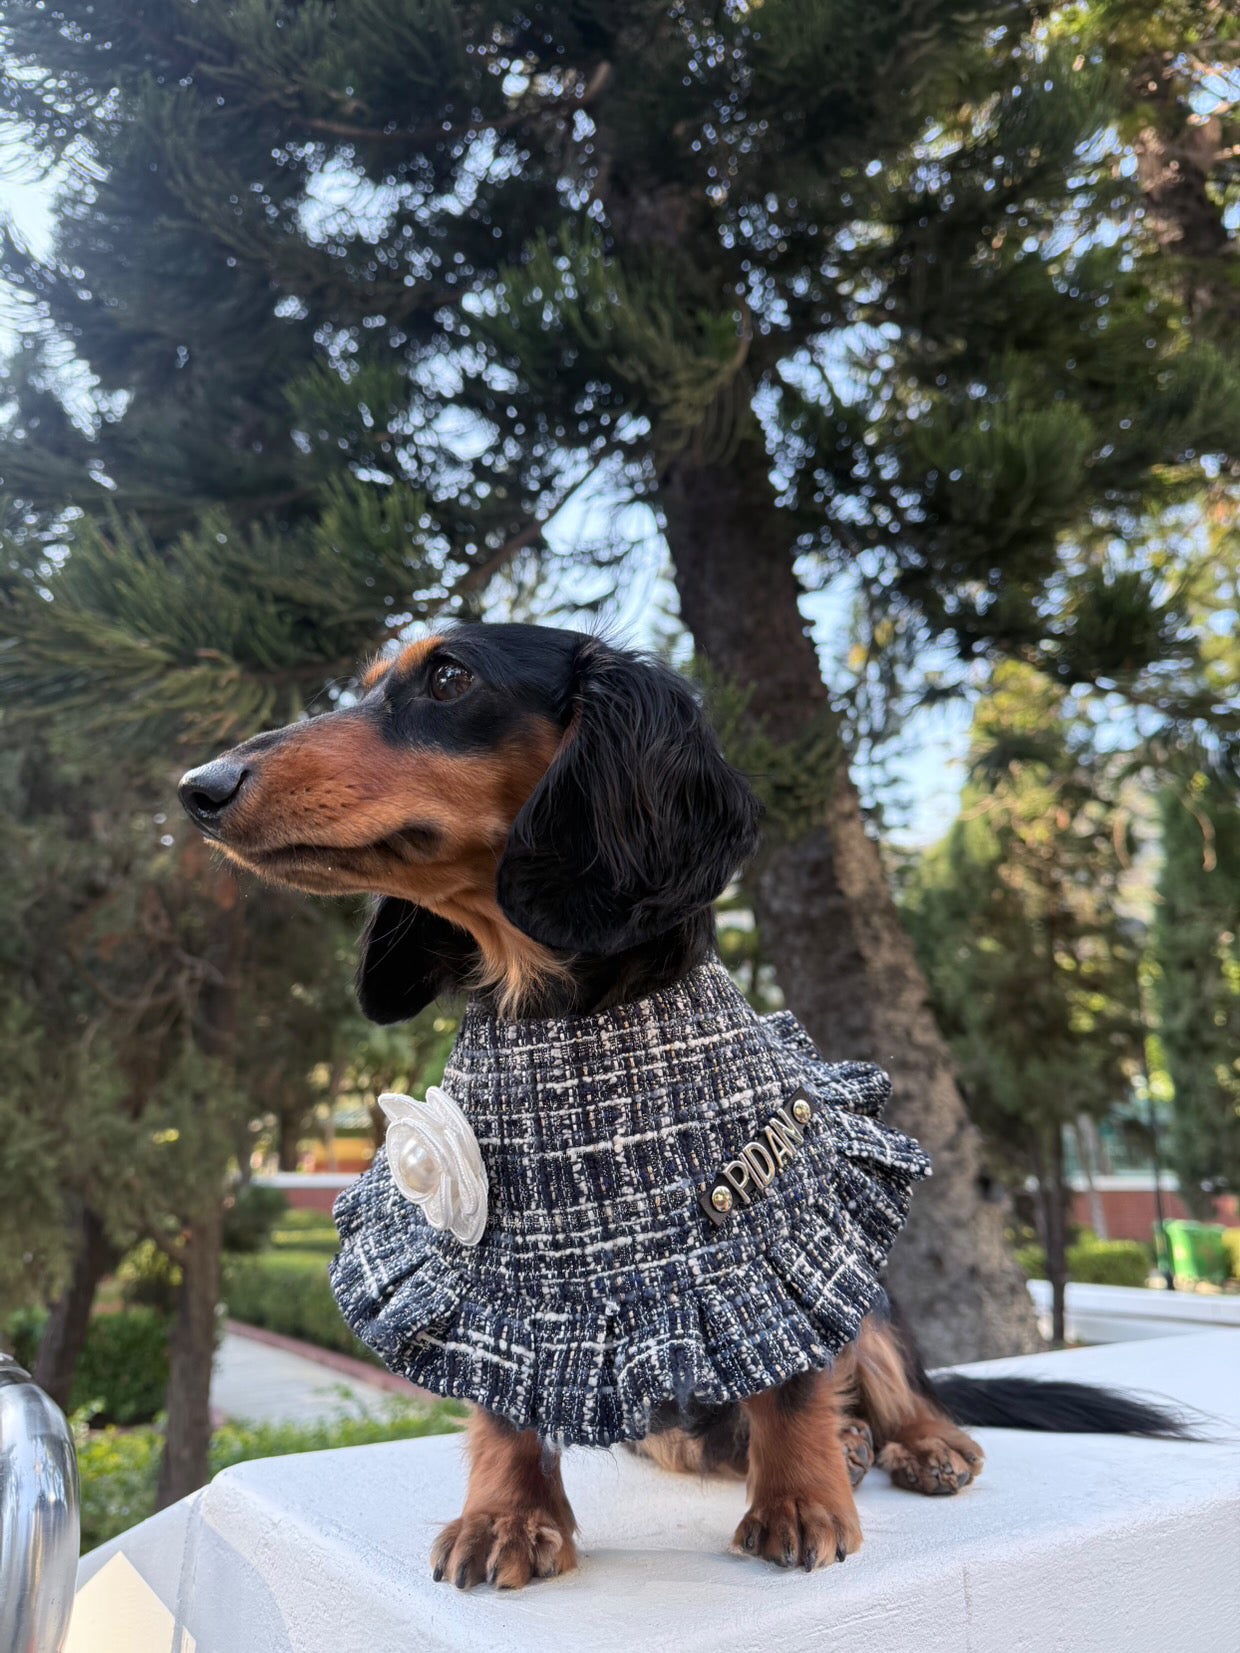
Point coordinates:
[[516, 1524], [918, 1444], [801, 1509]]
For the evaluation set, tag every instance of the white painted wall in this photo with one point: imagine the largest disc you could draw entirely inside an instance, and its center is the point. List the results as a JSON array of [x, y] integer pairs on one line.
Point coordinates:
[[1065, 1545], [1123, 1314]]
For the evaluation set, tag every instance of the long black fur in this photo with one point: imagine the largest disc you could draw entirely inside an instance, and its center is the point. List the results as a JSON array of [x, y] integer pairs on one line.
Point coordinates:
[[639, 822], [1056, 1407], [408, 957], [1040, 1404]]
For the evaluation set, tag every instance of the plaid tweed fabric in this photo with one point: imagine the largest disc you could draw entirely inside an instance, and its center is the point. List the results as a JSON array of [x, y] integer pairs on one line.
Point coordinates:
[[600, 1287]]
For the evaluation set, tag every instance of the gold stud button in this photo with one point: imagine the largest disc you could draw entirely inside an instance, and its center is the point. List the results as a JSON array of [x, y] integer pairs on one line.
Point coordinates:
[[721, 1199], [801, 1111]]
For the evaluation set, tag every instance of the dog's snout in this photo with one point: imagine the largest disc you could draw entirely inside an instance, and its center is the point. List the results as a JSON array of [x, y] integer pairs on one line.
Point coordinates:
[[208, 791]]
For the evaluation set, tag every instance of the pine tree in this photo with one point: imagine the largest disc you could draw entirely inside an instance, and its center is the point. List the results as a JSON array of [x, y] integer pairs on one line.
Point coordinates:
[[1197, 982], [1015, 917], [1195, 957], [415, 245], [213, 563]]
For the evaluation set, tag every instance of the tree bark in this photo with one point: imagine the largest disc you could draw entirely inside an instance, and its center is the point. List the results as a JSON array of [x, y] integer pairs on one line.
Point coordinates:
[[1091, 1162], [1051, 1179], [827, 916], [184, 1466], [69, 1320], [288, 1152], [1178, 162]]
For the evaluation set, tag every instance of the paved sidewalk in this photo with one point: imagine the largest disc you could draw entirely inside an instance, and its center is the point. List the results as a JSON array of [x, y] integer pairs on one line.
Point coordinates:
[[262, 1384]]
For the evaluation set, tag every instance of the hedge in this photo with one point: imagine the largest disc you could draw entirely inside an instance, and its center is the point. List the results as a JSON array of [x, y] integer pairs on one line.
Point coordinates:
[[324, 1242], [1231, 1245], [306, 1231], [118, 1468], [287, 1291], [122, 1372], [1094, 1262]]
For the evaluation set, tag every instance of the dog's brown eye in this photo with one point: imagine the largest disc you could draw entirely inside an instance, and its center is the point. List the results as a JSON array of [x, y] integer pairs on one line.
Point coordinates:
[[450, 681]]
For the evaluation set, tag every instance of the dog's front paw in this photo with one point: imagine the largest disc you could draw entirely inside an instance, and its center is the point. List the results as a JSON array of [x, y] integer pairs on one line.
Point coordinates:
[[506, 1547], [798, 1530], [937, 1464]]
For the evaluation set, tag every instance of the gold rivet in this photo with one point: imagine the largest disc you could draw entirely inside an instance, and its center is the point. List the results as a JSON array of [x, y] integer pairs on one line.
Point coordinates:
[[801, 1111], [721, 1199]]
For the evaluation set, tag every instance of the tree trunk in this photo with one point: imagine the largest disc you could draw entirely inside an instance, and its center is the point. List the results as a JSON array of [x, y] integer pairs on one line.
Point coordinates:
[[1087, 1146], [288, 1152], [69, 1321], [184, 1467], [827, 916], [1179, 158], [1051, 1179]]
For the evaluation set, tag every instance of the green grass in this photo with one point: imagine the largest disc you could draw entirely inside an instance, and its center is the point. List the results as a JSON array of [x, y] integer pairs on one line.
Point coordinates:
[[118, 1467]]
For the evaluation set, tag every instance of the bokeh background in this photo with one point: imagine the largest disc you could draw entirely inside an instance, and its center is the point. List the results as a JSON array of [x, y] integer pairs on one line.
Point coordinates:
[[878, 363]]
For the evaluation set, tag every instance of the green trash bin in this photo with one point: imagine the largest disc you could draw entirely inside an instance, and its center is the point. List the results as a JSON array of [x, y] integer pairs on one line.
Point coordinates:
[[1197, 1252]]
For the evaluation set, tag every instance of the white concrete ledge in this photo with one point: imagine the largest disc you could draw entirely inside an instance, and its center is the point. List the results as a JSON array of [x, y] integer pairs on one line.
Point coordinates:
[[1122, 1314], [1065, 1545]]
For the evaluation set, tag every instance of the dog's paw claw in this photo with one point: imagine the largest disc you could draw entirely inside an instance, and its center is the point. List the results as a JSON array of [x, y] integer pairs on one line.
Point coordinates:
[[506, 1548], [797, 1532], [936, 1465]]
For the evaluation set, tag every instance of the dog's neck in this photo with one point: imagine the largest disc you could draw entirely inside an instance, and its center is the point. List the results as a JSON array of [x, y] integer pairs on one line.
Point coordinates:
[[580, 985]]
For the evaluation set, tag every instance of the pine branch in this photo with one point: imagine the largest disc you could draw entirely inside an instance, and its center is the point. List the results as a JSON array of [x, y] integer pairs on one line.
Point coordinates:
[[481, 573], [553, 108]]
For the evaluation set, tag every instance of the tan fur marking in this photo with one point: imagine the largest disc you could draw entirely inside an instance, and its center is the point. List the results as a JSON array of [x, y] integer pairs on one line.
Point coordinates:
[[517, 1523], [918, 1444], [887, 1398], [801, 1507], [376, 671], [414, 653], [326, 809], [677, 1452]]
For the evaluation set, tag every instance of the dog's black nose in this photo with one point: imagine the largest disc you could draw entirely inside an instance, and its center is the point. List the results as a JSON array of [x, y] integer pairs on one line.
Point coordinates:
[[207, 792]]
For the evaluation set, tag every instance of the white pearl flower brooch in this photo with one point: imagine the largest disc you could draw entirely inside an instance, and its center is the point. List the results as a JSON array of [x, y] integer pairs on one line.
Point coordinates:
[[434, 1159]]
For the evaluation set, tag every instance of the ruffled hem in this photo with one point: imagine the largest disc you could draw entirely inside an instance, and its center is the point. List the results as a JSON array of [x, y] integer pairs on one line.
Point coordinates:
[[591, 1371]]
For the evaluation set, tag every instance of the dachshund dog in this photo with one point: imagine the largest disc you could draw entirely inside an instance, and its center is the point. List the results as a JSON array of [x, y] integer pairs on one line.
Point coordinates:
[[546, 821]]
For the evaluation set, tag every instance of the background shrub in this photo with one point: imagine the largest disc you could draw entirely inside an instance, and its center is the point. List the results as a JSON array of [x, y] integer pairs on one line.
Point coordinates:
[[148, 1278], [1032, 1260], [119, 1467], [117, 1470], [122, 1376], [1094, 1262], [287, 1291], [306, 1222], [250, 1215], [22, 1334], [1109, 1262]]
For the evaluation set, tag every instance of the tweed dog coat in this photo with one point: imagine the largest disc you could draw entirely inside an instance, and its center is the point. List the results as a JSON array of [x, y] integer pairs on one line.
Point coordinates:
[[603, 1285]]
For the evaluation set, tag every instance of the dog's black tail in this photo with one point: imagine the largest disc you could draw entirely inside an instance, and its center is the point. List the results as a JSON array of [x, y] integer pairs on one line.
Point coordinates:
[[1064, 1408]]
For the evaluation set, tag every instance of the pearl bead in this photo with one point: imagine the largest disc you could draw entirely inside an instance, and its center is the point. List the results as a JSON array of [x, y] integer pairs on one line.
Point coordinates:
[[418, 1168]]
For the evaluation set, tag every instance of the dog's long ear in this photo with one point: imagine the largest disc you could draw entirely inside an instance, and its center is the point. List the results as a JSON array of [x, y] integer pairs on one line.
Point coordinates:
[[408, 957], [638, 822]]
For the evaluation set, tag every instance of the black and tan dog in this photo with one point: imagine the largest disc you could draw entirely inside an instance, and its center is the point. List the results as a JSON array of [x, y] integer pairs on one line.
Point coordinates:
[[547, 820]]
